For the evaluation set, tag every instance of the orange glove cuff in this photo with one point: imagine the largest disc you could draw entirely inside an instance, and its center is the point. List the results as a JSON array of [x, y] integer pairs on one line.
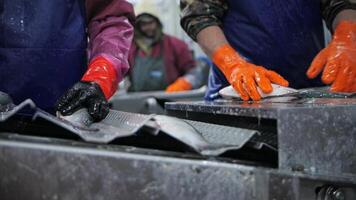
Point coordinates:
[[180, 84], [226, 58], [184, 84], [344, 28], [102, 72]]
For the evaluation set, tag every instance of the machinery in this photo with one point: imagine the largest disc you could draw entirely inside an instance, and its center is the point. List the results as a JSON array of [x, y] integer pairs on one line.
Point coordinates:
[[295, 147], [152, 102]]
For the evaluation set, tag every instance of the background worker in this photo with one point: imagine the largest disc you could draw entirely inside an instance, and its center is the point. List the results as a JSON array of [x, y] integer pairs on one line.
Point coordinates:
[[160, 61]]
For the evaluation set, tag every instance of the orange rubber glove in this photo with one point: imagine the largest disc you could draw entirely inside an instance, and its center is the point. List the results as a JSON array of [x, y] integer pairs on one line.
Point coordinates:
[[102, 72], [179, 85], [243, 76], [338, 60]]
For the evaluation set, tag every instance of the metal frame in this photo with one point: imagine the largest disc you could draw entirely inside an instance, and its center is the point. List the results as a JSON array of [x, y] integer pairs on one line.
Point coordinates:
[[309, 168], [64, 170], [315, 136]]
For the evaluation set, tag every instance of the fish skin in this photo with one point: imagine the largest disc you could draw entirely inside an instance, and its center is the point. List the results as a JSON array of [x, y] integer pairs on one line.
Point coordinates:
[[230, 93]]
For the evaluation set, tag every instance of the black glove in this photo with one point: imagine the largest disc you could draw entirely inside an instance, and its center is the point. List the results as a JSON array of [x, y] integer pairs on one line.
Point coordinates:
[[84, 95]]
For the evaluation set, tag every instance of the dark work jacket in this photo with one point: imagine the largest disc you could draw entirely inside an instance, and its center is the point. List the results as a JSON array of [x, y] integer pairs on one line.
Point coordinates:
[[281, 35], [42, 48]]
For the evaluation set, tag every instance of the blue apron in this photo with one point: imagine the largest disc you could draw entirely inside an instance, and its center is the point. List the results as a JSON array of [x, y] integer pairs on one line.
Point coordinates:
[[42, 48], [281, 35]]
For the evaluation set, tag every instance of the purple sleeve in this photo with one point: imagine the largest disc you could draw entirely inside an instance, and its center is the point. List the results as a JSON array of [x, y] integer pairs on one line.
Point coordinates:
[[111, 33]]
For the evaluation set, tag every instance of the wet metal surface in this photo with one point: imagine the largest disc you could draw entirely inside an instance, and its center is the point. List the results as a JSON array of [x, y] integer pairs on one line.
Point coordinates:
[[69, 171], [315, 135], [200, 137], [196, 135], [151, 102], [203, 137], [267, 108], [9, 110], [223, 135], [280, 91], [316, 140], [5, 99], [117, 124], [198, 93]]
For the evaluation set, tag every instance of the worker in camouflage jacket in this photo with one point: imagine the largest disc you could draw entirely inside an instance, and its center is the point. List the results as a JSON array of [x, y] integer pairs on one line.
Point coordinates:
[[256, 43]]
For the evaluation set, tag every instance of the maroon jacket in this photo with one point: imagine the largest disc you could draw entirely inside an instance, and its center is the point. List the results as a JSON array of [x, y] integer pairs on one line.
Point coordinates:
[[178, 59]]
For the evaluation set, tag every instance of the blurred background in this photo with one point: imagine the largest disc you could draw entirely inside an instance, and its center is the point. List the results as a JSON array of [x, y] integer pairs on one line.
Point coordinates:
[[168, 12]]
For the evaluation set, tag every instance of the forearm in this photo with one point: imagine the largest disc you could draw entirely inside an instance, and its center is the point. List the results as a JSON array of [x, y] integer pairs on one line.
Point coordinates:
[[110, 32], [210, 39], [200, 14], [334, 11], [112, 40]]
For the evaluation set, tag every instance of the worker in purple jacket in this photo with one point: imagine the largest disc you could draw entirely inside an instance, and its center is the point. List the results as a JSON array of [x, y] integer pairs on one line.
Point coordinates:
[[45, 53]]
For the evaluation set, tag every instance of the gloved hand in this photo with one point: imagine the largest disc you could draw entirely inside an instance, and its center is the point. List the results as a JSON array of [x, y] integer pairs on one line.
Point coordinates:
[[243, 76], [179, 85], [338, 60], [84, 95], [98, 84]]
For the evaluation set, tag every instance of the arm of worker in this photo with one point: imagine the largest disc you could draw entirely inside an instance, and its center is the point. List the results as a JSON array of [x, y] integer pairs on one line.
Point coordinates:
[[185, 63], [338, 59], [110, 33], [202, 21]]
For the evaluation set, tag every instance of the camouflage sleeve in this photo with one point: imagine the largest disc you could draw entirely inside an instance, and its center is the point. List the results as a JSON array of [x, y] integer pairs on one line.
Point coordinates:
[[330, 8], [199, 14]]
